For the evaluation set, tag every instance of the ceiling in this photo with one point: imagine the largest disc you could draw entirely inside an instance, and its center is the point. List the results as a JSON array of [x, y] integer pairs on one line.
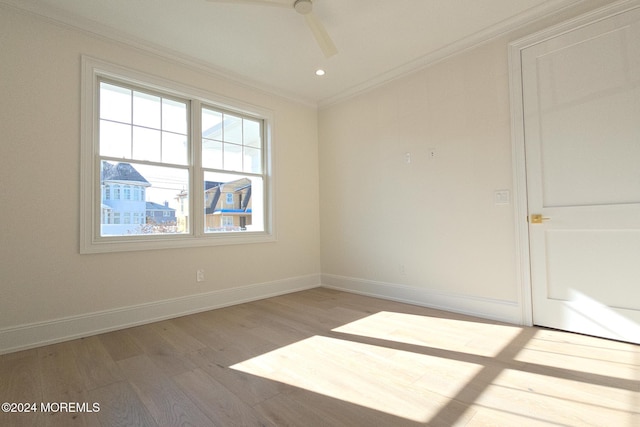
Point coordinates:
[[273, 49]]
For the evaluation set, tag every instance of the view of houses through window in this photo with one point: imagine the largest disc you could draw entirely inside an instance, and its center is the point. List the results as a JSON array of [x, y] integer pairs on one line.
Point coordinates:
[[145, 150]]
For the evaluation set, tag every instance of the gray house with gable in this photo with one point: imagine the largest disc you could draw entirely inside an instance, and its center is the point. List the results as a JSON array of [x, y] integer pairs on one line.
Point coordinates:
[[160, 214], [124, 206]]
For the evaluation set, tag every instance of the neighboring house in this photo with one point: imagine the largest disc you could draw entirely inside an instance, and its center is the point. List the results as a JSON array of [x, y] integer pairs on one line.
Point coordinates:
[[227, 206], [182, 216], [160, 214], [123, 199]]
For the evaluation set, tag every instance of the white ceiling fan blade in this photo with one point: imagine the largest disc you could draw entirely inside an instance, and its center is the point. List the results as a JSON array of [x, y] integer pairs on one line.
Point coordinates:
[[279, 3], [321, 35]]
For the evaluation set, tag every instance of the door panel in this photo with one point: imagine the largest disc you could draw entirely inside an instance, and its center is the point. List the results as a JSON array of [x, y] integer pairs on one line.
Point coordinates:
[[577, 256], [581, 104], [579, 143]]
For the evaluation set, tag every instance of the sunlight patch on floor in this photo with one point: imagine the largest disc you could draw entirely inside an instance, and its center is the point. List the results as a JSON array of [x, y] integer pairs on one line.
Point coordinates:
[[475, 338], [385, 379], [516, 395], [582, 354], [425, 368]]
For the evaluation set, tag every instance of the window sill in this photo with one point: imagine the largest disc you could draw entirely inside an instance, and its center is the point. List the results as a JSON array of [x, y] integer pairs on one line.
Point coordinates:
[[128, 244]]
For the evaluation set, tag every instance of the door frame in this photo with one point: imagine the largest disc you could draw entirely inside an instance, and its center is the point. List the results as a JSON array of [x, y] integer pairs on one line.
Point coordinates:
[[523, 260]]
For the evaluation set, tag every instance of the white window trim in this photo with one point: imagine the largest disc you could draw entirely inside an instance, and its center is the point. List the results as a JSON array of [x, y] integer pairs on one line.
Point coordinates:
[[90, 192]]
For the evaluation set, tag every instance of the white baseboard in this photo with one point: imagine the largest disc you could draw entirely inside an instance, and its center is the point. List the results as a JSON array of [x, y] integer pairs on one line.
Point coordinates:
[[37, 334], [487, 308]]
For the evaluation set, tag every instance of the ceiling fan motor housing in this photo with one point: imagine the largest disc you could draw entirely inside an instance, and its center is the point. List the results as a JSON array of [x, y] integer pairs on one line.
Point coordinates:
[[303, 7]]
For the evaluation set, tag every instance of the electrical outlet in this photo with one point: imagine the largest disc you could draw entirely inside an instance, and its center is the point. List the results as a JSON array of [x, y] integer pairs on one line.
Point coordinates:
[[200, 275], [401, 269]]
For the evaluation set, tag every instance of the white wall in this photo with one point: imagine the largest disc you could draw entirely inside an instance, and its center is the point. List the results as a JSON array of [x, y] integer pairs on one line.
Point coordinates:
[[427, 232], [48, 291], [434, 218], [375, 213]]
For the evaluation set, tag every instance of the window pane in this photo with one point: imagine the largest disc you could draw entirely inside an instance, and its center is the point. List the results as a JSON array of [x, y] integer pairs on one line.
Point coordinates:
[[115, 103], [252, 160], [144, 193], [115, 139], [252, 136], [146, 144], [160, 205], [211, 154], [211, 124], [174, 116], [232, 203], [233, 157], [174, 148], [146, 110], [232, 129]]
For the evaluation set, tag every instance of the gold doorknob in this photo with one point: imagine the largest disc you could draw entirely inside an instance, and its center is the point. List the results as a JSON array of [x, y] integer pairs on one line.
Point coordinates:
[[538, 219]]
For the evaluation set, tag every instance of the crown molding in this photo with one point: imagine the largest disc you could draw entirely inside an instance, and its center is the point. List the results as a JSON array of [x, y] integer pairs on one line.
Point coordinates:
[[477, 39], [60, 18], [95, 29]]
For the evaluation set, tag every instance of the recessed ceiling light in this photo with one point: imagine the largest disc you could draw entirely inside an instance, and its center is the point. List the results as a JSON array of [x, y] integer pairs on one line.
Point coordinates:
[[320, 72]]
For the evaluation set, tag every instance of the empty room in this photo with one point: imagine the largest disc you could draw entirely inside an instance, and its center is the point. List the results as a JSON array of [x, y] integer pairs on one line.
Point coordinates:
[[320, 213]]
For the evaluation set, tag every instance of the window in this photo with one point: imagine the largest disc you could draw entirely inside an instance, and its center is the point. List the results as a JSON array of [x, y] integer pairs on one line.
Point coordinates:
[[232, 160], [149, 142], [227, 221]]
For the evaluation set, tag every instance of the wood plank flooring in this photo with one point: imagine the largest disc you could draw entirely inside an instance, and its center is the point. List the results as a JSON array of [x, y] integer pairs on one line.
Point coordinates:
[[327, 358]]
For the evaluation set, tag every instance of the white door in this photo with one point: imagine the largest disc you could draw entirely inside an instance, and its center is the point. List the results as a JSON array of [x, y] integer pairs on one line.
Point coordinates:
[[581, 104]]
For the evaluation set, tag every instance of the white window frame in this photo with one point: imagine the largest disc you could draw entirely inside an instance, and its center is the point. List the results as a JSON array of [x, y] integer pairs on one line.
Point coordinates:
[[90, 189]]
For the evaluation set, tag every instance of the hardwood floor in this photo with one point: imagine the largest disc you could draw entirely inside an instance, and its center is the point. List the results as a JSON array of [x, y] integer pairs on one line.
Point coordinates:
[[327, 358]]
